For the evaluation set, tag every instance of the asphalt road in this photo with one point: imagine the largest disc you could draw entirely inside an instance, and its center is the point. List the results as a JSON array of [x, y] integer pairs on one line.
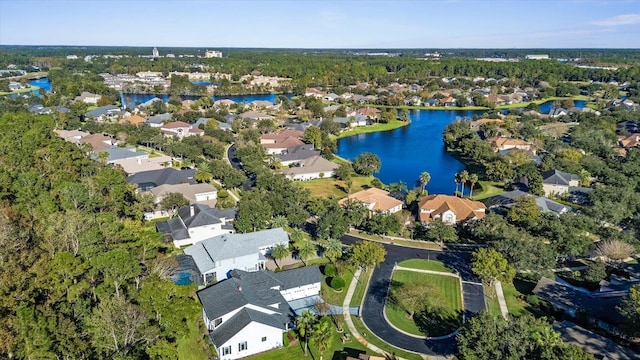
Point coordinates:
[[235, 162], [373, 306]]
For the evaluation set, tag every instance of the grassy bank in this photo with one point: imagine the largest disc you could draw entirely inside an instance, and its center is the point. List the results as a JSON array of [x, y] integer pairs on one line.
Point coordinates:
[[449, 313], [332, 187], [21, 91], [424, 264], [373, 128], [488, 189], [373, 339]]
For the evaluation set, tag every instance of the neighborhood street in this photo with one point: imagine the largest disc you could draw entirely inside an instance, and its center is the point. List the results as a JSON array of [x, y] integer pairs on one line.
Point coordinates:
[[373, 306]]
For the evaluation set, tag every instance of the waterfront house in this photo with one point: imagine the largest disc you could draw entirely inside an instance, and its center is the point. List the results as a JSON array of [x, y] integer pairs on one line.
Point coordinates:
[[313, 92], [314, 167], [88, 98], [504, 143], [277, 143], [544, 204], [216, 256], [197, 222], [449, 209], [375, 200], [249, 312], [448, 101], [371, 113]]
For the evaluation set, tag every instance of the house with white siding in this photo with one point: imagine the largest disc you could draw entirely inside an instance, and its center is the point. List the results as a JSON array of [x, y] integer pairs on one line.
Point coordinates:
[[197, 222], [249, 312]]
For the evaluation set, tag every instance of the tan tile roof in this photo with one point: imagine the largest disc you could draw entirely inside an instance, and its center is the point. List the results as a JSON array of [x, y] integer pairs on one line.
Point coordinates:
[[284, 139], [189, 191], [464, 209], [135, 120], [98, 142], [379, 198], [501, 142], [312, 165], [446, 100], [176, 125], [632, 140]]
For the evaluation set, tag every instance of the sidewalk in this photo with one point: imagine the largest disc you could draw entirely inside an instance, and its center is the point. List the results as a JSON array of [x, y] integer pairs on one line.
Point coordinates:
[[503, 303]]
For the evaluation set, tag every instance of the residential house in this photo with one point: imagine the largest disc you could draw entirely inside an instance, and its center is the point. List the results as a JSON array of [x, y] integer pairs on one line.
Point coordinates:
[[134, 119], [147, 180], [277, 143], [629, 141], [431, 102], [223, 102], [115, 154], [496, 100], [98, 142], [200, 193], [505, 143], [216, 256], [314, 167], [508, 200], [249, 312], [103, 113], [597, 345], [41, 110], [297, 154], [255, 116], [150, 102], [262, 104], [375, 200], [448, 101], [352, 121], [331, 97], [135, 165], [71, 135], [573, 301], [450, 209], [88, 98], [371, 113], [158, 120], [197, 222], [180, 129], [556, 182], [313, 92], [476, 124], [14, 86]]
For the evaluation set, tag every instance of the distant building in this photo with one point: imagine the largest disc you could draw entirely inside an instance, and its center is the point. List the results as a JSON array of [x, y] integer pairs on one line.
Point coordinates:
[[212, 54], [155, 53], [537, 57]]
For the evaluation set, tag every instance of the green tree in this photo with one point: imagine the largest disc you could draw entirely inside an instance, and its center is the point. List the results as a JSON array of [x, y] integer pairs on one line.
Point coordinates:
[[490, 265], [172, 202], [344, 171], [322, 336], [630, 311], [366, 164], [313, 135], [306, 250], [415, 296], [117, 266], [279, 252], [464, 177], [280, 222], [424, 179], [333, 249], [203, 173], [304, 325], [254, 212], [366, 254], [524, 211], [440, 232], [473, 178]]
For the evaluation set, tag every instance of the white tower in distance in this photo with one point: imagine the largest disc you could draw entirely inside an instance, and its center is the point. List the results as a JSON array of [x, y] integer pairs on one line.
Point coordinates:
[[155, 52]]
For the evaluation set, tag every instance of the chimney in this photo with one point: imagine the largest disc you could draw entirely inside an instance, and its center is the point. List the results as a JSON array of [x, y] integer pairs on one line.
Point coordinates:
[[192, 210], [240, 288]]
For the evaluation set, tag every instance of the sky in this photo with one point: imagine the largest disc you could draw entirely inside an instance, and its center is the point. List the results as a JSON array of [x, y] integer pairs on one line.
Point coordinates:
[[370, 24]]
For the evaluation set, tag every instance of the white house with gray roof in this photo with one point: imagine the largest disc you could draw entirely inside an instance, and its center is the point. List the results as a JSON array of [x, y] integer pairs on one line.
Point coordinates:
[[249, 312], [217, 256], [556, 182], [197, 222]]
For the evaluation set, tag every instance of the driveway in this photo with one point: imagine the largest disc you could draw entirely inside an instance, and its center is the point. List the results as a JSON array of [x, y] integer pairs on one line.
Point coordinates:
[[373, 306]]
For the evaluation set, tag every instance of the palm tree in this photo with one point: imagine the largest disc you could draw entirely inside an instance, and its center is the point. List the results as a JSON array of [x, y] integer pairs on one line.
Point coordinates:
[[279, 221], [456, 178], [306, 250], [424, 180], [203, 173], [296, 235], [304, 325], [473, 178], [322, 336], [464, 177], [333, 249], [279, 252]]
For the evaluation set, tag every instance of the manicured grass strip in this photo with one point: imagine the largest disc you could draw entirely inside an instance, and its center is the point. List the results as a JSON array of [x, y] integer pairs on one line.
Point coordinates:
[[373, 339], [516, 304], [373, 128], [409, 243], [358, 293], [492, 302], [450, 317], [424, 264], [489, 189], [331, 187], [334, 297]]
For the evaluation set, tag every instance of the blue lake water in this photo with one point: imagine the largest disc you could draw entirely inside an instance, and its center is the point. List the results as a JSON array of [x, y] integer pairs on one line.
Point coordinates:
[[43, 83]]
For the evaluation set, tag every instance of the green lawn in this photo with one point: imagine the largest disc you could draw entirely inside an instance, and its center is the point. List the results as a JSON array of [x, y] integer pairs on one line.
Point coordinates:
[[424, 264], [332, 187], [515, 299], [489, 189], [373, 128], [373, 339], [358, 294], [334, 297], [443, 323], [409, 243], [19, 91], [193, 346], [492, 301], [295, 351]]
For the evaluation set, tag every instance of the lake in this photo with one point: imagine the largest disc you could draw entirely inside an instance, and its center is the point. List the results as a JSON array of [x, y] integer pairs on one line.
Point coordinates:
[[408, 151]]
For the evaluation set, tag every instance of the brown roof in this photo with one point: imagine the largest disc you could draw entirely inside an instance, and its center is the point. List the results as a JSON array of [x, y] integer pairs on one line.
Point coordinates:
[[369, 111], [375, 199], [630, 141], [98, 142], [501, 142], [464, 209], [135, 120], [175, 125], [284, 139], [312, 165], [446, 100]]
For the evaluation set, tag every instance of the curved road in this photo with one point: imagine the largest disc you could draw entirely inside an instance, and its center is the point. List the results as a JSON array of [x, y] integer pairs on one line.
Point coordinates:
[[373, 306], [235, 162]]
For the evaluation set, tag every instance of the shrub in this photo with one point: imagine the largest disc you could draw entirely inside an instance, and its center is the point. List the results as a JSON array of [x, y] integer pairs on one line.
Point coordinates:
[[330, 270], [337, 283]]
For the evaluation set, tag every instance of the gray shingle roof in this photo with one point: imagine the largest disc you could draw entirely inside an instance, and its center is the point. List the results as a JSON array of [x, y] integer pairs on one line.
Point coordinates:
[[119, 153], [593, 343], [557, 177], [227, 246], [150, 179], [203, 215], [159, 119], [544, 204], [300, 152], [103, 110], [239, 321]]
